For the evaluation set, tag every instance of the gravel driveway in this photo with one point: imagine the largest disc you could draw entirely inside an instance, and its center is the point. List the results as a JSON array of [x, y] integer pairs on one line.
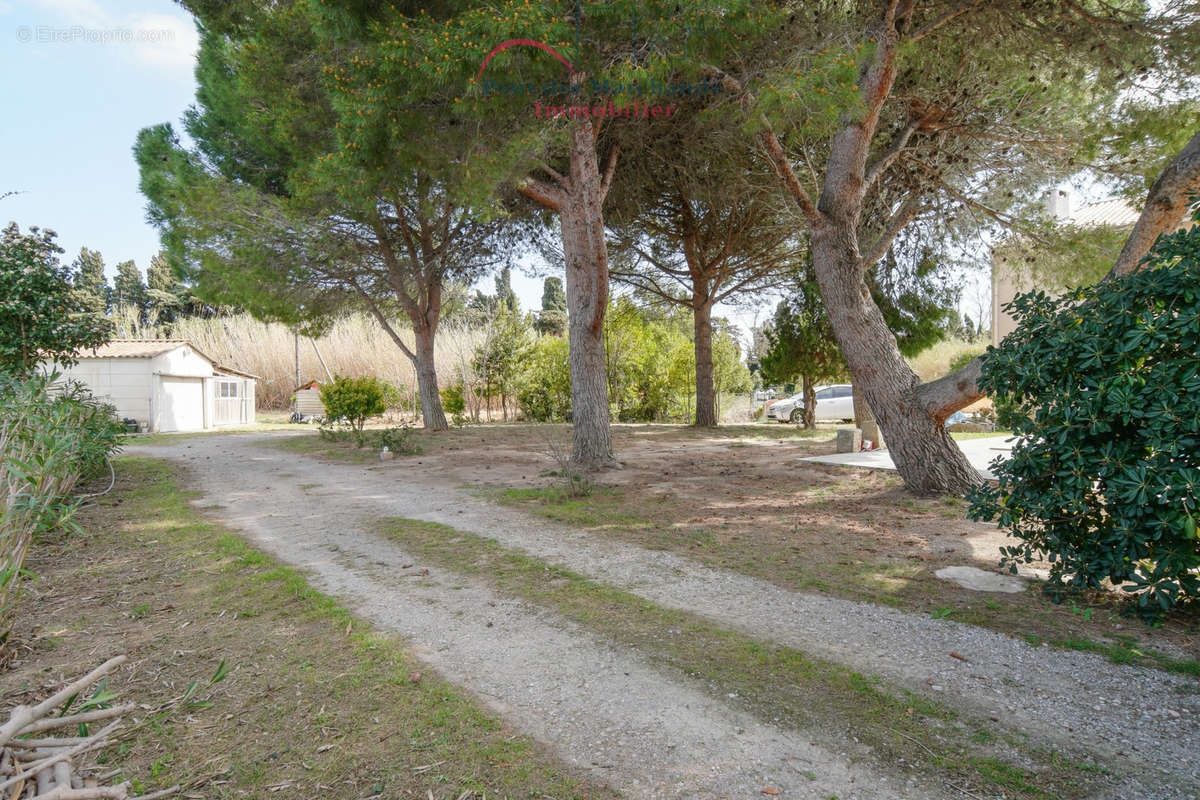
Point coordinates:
[[603, 708]]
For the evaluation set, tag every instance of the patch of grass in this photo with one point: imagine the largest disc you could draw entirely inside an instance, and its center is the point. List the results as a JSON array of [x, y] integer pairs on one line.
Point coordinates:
[[1125, 650], [778, 684], [268, 424], [829, 561], [315, 704], [960, 435]]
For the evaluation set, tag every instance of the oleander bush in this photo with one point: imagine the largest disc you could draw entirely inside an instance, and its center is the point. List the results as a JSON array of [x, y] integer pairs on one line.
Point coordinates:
[[51, 438], [1102, 388]]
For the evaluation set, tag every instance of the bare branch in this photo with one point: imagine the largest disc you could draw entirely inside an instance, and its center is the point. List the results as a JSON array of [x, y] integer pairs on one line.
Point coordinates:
[[907, 212], [941, 20]]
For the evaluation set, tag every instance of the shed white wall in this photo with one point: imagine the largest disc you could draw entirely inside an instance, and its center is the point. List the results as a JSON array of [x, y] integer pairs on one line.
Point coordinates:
[[183, 360], [124, 382]]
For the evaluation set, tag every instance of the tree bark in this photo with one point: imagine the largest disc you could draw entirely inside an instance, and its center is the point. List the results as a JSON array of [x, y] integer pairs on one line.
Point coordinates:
[[434, 418], [1166, 205], [706, 401], [927, 458], [586, 254], [809, 414]]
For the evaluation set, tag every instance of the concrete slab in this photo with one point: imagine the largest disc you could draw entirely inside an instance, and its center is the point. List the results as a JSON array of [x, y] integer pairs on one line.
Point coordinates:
[[979, 580], [980, 452]]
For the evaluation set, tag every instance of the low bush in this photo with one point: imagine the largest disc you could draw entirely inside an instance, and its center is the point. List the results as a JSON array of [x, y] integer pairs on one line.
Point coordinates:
[[353, 401], [1102, 389], [51, 438], [545, 385]]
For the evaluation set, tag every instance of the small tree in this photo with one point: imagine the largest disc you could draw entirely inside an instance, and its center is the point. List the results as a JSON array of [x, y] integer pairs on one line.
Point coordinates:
[[499, 359], [552, 321], [42, 317], [355, 400], [1105, 475]]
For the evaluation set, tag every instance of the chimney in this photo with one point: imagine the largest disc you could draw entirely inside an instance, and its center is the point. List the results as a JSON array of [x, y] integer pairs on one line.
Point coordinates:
[[1058, 204]]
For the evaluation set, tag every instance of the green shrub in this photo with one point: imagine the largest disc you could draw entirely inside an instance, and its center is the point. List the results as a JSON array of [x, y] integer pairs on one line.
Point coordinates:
[[355, 400], [544, 389], [962, 359], [454, 403], [1102, 389], [51, 437]]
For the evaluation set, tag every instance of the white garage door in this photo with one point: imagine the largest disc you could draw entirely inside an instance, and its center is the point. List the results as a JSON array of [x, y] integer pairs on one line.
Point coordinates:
[[181, 404]]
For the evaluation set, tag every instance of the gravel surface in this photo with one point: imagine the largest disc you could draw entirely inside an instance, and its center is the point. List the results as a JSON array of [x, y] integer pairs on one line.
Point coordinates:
[[603, 708]]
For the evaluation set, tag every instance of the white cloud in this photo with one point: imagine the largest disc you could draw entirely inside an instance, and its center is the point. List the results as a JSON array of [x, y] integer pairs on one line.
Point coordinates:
[[165, 41], [78, 12]]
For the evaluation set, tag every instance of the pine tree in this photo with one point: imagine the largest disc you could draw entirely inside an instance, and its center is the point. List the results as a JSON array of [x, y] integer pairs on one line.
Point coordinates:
[[129, 291], [91, 287], [164, 294], [552, 320]]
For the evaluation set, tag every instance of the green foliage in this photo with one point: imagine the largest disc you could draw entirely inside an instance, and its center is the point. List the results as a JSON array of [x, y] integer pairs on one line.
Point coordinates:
[[128, 288], [42, 316], [552, 320], [355, 400], [50, 439], [454, 403], [962, 359], [652, 362], [91, 287], [1105, 476], [545, 387], [500, 358]]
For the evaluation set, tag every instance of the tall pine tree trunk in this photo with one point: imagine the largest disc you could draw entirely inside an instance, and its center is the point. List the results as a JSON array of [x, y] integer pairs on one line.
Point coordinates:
[[924, 454], [706, 400], [586, 254], [434, 418]]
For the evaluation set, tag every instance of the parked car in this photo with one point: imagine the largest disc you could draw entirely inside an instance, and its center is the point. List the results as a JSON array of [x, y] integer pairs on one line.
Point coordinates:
[[834, 402]]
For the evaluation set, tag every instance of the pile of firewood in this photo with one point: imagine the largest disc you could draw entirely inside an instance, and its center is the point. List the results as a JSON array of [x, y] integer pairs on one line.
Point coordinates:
[[51, 766]]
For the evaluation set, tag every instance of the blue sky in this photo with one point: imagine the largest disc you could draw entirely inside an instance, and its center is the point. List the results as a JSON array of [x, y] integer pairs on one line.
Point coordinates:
[[81, 78]]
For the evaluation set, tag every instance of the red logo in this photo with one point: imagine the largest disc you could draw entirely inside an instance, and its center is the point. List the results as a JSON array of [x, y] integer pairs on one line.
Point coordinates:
[[500, 48]]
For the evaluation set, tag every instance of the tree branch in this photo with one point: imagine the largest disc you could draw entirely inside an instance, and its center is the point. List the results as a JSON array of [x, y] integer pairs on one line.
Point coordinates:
[[610, 169], [889, 156], [941, 20], [1166, 206], [551, 197], [905, 214]]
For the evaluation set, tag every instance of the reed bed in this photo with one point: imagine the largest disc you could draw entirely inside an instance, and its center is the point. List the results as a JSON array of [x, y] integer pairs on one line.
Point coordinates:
[[354, 346]]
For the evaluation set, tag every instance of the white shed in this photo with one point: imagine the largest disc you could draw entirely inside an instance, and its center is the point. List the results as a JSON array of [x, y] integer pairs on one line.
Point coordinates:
[[166, 385]]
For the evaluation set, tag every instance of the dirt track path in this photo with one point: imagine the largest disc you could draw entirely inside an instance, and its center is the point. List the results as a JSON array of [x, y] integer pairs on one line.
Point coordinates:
[[603, 708]]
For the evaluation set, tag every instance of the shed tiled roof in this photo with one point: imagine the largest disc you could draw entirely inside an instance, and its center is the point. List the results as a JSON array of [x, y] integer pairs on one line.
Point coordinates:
[[136, 348], [149, 348], [1115, 212]]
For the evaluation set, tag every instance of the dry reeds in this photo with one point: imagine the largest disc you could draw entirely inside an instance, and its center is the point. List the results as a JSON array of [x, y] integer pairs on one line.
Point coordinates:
[[354, 346]]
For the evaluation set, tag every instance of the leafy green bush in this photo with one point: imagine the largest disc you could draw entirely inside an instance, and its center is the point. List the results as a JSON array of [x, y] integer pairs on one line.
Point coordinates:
[[41, 315], [962, 359], [1103, 389], [544, 390], [355, 400], [51, 437], [454, 403]]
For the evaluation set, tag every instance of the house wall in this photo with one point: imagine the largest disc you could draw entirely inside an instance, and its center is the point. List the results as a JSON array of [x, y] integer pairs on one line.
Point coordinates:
[[124, 382]]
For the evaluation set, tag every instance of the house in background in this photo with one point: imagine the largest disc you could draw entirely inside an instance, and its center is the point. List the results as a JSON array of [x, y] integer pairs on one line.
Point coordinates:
[[166, 385], [1011, 276]]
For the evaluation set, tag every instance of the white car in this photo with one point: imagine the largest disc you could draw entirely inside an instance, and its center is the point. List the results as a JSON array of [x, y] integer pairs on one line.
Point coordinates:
[[834, 402]]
